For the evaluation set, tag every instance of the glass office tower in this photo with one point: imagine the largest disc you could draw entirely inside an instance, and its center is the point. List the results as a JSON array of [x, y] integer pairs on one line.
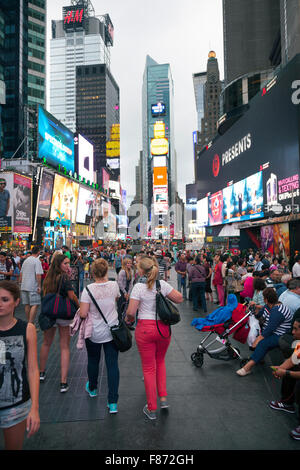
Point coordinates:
[[81, 40], [23, 66], [157, 88]]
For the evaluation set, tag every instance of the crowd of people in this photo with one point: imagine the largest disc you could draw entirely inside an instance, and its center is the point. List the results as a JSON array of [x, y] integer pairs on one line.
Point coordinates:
[[204, 279]]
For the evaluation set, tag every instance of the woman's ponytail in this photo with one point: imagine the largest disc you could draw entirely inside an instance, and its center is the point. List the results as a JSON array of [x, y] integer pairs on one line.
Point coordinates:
[[150, 269]]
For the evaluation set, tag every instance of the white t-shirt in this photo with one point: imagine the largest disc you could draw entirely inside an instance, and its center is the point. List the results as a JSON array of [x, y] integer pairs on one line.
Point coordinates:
[[30, 268], [147, 298], [105, 294], [296, 270]]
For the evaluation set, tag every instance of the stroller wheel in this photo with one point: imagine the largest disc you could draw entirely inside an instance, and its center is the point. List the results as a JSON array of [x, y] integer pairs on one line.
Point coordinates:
[[197, 359]]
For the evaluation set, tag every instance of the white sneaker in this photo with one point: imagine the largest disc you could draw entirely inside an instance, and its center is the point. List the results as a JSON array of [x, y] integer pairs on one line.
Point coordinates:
[[242, 372]]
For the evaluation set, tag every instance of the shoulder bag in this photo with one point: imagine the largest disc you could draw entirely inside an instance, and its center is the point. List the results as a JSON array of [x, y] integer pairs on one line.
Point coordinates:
[[120, 333], [58, 307], [167, 312]]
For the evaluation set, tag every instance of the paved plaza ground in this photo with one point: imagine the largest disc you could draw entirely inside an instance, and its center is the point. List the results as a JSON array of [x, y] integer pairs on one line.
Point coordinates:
[[211, 408]]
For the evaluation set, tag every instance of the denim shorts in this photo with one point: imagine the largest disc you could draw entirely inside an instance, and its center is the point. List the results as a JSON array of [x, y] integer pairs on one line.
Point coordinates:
[[15, 415]]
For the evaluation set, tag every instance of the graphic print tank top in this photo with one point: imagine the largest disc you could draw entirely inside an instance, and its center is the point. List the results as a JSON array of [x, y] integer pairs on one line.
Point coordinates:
[[14, 386]]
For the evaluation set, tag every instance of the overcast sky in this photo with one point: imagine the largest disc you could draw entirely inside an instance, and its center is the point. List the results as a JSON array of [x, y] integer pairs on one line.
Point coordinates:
[[178, 32]]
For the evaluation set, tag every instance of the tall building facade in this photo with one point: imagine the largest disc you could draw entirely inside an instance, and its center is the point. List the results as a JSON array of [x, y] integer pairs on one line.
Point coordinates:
[[79, 38], [98, 115], [23, 68], [250, 29], [199, 80], [211, 90], [158, 113], [290, 29]]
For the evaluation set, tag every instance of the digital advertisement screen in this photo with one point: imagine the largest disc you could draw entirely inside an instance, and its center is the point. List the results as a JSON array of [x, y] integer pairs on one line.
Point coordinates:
[[6, 202], [113, 163], [85, 159], [202, 211], [45, 195], [215, 208], [160, 198], [86, 205], [160, 176], [22, 204], [159, 161], [55, 141], [64, 199], [73, 17], [264, 145], [158, 109]]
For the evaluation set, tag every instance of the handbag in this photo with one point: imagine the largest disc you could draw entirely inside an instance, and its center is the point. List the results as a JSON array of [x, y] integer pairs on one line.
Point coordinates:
[[167, 312], [121, 335], [57, 307]]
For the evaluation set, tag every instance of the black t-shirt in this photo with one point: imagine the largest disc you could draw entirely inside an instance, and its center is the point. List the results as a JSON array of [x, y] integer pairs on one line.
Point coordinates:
[[14, 386], [66, 285]]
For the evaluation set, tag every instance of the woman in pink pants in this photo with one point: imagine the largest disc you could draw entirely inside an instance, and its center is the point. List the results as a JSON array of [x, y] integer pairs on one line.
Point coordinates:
[[218, 280], [151, 342]]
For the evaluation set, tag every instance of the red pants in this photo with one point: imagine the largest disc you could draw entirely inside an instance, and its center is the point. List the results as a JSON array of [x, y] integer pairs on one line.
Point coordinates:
[[152, 348], [221, 294]]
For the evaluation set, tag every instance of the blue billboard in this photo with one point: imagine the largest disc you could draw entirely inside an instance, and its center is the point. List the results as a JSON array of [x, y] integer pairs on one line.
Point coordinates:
[[55, 142]]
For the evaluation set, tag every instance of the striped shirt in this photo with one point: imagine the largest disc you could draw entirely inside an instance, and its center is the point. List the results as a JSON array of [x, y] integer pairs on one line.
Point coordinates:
[[277, 320], [162, 265]]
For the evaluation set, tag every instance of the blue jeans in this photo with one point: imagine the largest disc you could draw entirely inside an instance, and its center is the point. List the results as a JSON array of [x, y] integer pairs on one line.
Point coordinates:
[[111, 360], [198, 291], [263, 347], [181, 283], [81, 279]]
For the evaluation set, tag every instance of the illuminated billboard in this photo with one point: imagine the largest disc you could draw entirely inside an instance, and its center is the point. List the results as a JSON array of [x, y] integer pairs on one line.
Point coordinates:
[[158, 109], [22, 204], [55, 141], [86, 205], [160, 199], [159, 146], [73, 17], [64, 199], [159, 130], [215, 208], [84, 158], [160, 176], [202, 212], [45, 195], [113, 163], [159, 161]]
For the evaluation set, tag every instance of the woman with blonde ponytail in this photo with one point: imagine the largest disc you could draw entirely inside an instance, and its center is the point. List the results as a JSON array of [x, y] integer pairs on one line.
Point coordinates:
[[151, 342]]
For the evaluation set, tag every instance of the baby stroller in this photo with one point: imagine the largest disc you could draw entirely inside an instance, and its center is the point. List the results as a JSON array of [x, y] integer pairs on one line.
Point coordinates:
[[220, 346]]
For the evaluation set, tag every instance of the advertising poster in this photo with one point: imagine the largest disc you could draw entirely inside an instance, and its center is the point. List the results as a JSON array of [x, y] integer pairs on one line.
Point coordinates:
[[22, 209], [64, 199], [215, 208], [267, 238], [105, 180], [202, 212], [113, 163], [6, 202], [282, 241], [86, 205], [160, 198], [45, 195], [55, 141]]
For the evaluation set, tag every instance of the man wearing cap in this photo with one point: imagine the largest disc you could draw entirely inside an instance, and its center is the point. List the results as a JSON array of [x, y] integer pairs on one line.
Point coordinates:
[[4, 198], [181, 269]]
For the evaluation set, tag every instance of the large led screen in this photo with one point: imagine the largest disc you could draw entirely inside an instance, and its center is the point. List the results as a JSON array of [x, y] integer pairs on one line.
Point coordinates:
[[55, 141], [85, 164], [45, 195], [202, 212], [86, 205], [64, 199], [160, 197], [22, 204], [215, 208], [265, 141]]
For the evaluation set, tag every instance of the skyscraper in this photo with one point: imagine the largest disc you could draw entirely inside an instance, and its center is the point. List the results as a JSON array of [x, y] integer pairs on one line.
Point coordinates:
[[79, 38], [158, 135], [98, 115], [250, 29], [211, 91], [199, 80], [290, 29], [23, 67]]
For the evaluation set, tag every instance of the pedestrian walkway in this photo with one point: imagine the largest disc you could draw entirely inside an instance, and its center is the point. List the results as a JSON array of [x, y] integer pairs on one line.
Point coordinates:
[[210, 408]]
